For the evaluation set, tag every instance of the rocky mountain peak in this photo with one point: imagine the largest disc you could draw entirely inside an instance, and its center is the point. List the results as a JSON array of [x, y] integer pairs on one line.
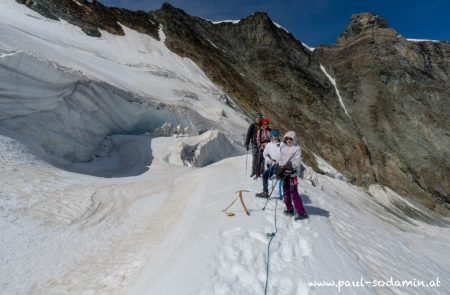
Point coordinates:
[[169, 8], [259, 15], [259, 19], [362, 23]]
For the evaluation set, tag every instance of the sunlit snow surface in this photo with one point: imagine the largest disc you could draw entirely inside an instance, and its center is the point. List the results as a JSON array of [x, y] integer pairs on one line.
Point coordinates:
[[65, 232], [162, 230]]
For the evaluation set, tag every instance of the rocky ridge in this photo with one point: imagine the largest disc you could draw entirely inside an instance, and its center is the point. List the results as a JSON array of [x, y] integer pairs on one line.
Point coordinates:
[[93, 16]]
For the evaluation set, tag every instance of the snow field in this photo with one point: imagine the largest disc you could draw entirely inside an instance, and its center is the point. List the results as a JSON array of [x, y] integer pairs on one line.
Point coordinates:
[[72, 233]]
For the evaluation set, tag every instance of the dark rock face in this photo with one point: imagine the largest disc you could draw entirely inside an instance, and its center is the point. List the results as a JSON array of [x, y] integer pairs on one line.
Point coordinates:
[[360, 24], [396, 92], [92, 16]]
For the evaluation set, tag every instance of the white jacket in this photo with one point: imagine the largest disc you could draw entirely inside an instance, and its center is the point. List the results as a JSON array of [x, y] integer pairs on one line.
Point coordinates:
[[292, 153], [272, 153]]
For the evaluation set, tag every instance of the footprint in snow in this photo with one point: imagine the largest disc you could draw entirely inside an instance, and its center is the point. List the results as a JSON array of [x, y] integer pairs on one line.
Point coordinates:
[[259, 237], [305, 247], [287, 253], [231, 232], [303, 224]]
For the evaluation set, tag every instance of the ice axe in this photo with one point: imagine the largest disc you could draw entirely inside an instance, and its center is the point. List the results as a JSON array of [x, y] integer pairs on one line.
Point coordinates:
[[234, 201]]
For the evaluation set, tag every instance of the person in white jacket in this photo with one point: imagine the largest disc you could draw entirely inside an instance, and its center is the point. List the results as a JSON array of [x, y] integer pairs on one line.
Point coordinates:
[[272, 156], [290, 162]]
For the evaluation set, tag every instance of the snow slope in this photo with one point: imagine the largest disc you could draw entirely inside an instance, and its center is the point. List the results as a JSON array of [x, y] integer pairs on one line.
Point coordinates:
[[75, 90], [159, 227], [69, 233]]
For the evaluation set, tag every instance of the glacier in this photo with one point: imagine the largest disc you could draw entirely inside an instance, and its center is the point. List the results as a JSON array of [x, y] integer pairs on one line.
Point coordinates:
[[117, 158]]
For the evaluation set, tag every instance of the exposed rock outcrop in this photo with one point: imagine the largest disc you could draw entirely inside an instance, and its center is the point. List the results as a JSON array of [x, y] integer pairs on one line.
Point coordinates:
[[398, 94], [92, 16]]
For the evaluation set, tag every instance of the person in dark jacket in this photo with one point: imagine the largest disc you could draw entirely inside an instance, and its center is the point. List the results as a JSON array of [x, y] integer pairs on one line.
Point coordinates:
[[262, 139], [252, 139]]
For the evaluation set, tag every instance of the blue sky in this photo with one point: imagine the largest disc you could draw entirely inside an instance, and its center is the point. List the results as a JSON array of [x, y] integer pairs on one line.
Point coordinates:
[[318, 22]]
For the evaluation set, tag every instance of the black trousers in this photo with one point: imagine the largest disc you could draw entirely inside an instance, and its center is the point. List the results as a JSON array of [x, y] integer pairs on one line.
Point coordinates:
[[258, 161]]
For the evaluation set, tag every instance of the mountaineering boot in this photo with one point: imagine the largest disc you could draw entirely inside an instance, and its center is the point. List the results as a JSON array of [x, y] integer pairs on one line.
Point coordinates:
[[301, 216], [288, 212], [262, 195]]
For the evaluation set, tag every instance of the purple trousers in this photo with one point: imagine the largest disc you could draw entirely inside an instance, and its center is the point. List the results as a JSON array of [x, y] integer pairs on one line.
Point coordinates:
[[291, 195]]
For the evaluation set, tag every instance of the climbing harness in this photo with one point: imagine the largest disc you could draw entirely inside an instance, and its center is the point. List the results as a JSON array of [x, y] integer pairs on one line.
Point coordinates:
[[234, 201]]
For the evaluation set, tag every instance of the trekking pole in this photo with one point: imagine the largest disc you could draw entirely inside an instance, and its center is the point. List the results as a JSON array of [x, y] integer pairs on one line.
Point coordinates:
[[246, 160], [273, 188]]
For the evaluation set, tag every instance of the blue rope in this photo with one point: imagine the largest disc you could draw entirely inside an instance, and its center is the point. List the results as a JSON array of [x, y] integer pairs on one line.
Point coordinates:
[[280, 188], [272, 236]]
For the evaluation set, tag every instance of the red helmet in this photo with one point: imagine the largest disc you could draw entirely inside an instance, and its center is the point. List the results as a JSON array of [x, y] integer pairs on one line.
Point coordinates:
[[265, 121]]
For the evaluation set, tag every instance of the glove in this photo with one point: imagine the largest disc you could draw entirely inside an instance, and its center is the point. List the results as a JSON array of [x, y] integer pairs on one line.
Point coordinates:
[[286, 170], [280, 171]]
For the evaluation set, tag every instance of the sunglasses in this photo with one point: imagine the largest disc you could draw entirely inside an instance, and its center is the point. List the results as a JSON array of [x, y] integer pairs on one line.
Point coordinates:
[[288, 138]]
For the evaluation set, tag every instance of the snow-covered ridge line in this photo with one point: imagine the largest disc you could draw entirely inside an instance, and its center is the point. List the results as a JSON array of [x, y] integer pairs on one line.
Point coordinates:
[[423, 40], [308, 47], [226, 21], [280, 26], [333, 81]]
